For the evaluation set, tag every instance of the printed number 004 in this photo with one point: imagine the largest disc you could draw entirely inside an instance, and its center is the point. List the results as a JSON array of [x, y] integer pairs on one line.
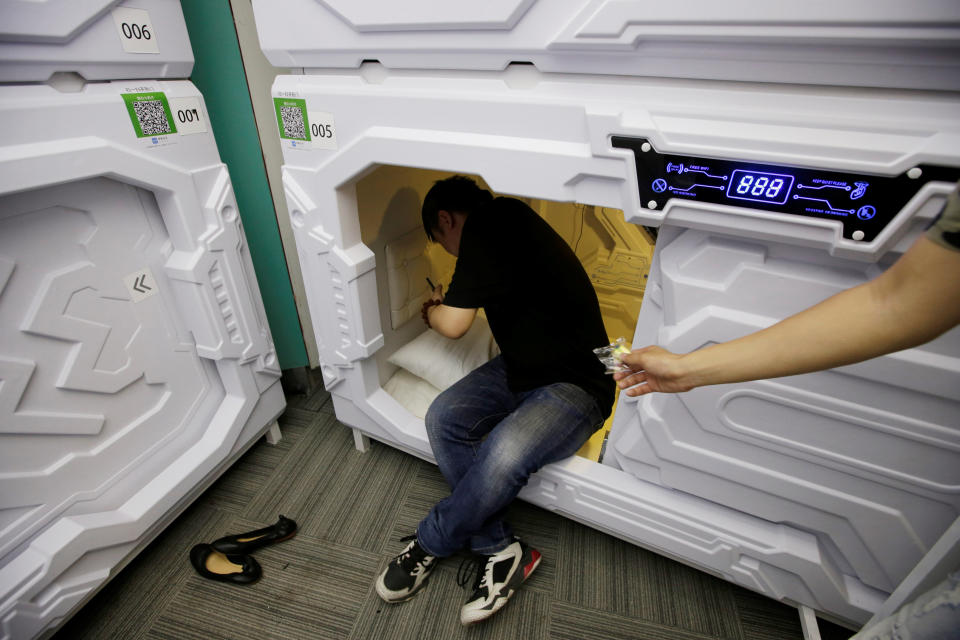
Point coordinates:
[[135, 31], [321, 130]]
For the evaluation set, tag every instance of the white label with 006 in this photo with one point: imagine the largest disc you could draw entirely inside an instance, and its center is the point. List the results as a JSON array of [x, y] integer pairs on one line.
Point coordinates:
[[135, 30]]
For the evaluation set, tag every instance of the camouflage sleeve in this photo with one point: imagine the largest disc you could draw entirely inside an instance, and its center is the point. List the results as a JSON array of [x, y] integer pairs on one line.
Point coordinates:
[[945, 230]]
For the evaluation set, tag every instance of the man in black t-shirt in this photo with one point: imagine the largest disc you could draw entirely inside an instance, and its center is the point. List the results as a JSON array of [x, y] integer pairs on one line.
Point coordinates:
[[536, 403]]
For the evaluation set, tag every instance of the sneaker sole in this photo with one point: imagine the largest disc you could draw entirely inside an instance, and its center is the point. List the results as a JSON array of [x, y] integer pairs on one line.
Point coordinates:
[[387, 596], [478, 615]]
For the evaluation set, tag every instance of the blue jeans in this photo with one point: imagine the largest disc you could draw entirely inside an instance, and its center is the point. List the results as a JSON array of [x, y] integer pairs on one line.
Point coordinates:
[[488, 440]]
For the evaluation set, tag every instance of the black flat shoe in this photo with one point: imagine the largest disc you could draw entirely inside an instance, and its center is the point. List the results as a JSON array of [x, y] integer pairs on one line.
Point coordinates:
[[238, 569], [244, 543]]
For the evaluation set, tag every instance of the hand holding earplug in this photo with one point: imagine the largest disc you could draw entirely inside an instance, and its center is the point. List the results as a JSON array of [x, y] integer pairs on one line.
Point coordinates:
[[652, 369]]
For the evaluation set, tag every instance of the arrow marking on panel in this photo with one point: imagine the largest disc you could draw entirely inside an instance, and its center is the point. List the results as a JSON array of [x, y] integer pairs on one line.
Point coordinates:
[[140, 285]]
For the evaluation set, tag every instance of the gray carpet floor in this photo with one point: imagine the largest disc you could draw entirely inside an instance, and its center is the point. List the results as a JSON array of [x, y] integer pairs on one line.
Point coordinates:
[[352, 509]]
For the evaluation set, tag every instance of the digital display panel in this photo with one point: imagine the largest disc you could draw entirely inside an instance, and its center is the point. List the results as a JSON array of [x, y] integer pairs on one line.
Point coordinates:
[[760, 186], [863, 203]]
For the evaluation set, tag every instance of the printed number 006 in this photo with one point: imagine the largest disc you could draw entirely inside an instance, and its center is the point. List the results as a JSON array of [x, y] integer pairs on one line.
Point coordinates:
[[321, 130], [135, 31]]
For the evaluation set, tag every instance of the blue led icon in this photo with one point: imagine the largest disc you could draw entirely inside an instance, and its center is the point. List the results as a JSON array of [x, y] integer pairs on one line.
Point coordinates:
[[860, 190], [866, 212], [659, 185]]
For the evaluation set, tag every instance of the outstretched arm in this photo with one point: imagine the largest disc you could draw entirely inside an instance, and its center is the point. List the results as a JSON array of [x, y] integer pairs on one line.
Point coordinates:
[[914, 301]]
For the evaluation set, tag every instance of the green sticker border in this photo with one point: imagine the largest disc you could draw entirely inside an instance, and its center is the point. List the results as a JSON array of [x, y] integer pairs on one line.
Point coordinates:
[[292, 102], [130, 98]]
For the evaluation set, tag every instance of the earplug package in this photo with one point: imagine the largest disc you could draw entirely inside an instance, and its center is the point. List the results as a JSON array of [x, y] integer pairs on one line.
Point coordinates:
[[610, 355]]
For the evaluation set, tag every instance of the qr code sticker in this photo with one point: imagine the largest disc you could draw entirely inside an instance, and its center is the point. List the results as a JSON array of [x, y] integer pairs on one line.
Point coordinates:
[[293, 126], [152, 117]]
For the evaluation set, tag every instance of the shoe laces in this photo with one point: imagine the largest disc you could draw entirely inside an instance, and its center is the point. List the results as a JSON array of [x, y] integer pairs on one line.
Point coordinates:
[[476, 567], [415, 558]]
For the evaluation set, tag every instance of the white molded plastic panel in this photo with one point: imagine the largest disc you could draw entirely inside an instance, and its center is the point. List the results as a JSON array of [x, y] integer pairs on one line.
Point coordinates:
[[98, 39], [552, 140], [853, 43], [136, 360], [866, 456]]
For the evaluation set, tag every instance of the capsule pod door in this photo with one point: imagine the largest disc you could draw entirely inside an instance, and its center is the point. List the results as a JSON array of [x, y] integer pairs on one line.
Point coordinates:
[[135, 358]]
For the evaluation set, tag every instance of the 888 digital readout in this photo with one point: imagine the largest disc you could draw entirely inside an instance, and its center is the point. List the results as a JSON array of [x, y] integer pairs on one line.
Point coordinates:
[[759, 186]]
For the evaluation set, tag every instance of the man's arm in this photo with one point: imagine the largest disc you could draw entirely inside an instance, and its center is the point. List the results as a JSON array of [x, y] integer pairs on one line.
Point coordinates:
[[451, 322], [914, 301]]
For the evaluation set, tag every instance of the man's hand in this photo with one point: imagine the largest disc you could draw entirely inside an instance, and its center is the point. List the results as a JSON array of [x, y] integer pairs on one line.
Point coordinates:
[[652, 369], [436, 297], [451, 322]]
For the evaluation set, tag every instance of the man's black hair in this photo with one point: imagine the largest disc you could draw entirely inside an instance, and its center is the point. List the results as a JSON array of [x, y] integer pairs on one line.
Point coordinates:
[[455, 194]]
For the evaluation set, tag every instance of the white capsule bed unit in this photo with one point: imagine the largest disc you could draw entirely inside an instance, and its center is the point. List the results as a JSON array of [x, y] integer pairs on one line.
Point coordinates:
[[823, 490], [136, 363], [783, 153]]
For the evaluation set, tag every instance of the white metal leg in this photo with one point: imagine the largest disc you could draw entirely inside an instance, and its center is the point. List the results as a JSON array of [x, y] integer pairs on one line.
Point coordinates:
[[360, 441], [808, 621], [273, 434]]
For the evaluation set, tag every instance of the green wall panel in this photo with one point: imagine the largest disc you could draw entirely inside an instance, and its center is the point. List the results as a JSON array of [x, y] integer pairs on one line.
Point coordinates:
[[218, 73]]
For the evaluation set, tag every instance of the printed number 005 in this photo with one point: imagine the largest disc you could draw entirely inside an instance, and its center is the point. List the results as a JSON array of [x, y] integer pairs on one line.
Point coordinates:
[[321, 130], [135, 31]]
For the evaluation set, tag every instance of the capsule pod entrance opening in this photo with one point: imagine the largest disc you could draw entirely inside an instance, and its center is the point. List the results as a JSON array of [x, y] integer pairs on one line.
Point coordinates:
[[615, 254]]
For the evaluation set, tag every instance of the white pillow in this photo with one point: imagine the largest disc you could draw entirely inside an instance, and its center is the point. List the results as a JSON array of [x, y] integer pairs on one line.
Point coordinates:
[[413, 393], [442, 361]]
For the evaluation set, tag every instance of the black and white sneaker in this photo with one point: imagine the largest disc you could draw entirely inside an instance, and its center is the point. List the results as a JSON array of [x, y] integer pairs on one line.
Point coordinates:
[[407, 573], [498, 578]]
